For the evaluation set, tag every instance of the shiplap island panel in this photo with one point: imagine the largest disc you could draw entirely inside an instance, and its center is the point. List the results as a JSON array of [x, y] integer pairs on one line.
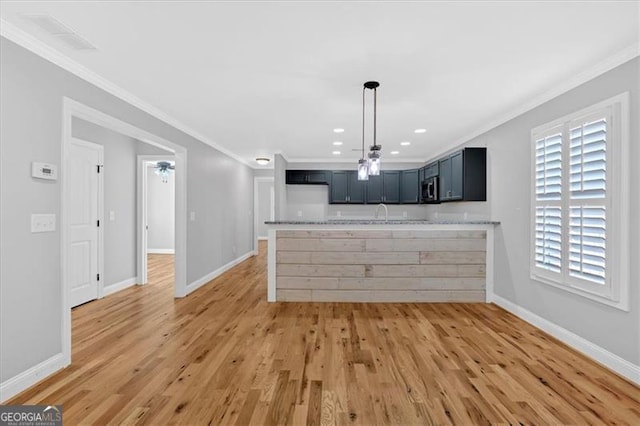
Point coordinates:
[[400, 261]]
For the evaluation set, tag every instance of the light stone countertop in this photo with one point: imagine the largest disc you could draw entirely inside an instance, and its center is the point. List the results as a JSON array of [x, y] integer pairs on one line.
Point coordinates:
[[382, 222]]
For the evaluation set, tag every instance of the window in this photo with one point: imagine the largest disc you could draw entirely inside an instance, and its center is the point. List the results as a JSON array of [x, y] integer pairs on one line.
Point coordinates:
[[580, 200]]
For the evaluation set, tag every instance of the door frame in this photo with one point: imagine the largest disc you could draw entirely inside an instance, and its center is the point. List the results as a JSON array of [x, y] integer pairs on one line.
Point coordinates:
[[256, 208], [67, 199], [142, 212], [72, 108]]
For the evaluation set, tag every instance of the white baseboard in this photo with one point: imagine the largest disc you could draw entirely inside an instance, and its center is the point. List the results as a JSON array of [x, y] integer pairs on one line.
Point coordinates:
[[13, 386], [161, 251], [263, 238], [112, 288], [597, 353], [221, 270]]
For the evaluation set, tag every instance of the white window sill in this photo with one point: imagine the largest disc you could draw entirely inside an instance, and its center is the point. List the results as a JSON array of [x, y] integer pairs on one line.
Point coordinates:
[[622, 305]]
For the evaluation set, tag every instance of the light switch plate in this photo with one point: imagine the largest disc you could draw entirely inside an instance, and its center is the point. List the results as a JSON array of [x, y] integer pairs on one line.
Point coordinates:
[[192, 216], [43, 223], [112, 215]]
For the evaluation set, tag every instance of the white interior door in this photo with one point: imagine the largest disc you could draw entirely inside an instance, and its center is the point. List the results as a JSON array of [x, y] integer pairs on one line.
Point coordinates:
[[84, 203]]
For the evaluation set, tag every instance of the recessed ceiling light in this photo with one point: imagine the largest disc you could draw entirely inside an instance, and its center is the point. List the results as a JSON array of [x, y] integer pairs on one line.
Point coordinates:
[[338, 130], [405, 143], [395, 152], [263, 161], [336, 152], [419, 130], [337, 143]]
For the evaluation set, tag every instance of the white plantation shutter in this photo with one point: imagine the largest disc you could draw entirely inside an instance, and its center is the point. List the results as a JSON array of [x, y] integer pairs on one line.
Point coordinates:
[[548, 214], [588, 184], [549, 238], [589, 160], [580, 202], [549, 167]]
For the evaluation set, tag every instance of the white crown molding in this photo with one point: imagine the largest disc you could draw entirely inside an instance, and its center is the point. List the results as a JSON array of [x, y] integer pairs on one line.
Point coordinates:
[[22, 38], [31, 43], [600, 68], [351, 160]]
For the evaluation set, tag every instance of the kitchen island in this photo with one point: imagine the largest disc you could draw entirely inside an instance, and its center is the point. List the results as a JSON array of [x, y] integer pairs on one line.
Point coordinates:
[[380, 261]]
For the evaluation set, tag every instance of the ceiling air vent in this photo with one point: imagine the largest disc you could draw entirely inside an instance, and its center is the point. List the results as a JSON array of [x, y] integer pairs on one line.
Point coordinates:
[[60, 31]]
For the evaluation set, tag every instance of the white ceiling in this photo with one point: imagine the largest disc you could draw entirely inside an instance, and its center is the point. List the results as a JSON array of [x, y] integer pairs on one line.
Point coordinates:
[[260, 77]]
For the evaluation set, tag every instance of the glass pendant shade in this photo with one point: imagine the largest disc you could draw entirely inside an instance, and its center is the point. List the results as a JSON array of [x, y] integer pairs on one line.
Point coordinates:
[[363, 169], [374, 164]]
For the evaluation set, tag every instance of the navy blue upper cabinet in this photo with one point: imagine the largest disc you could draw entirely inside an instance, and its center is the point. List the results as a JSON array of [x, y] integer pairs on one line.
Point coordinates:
[[339, 187], [463, 175], [357, 188], [410, 187], [308, 177], [346, 188], [375, 189], [384, 188]]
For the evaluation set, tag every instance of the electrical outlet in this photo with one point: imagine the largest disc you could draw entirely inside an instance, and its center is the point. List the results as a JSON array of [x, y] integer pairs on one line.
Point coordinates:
[[112, 215], [404, 214], [192, 216]]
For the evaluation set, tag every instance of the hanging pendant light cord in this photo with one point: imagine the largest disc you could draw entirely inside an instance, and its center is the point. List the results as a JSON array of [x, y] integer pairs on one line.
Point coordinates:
[[375, 109], [363, 89]]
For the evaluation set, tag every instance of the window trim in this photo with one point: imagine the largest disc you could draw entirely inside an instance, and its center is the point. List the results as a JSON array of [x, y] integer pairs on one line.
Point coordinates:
[[617, 201]]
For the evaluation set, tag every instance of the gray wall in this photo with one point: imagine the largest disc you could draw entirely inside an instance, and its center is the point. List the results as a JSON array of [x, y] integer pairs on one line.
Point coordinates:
[[264, 189], [220, 192], [311, 202], [161, 212], [279, 184], [263, 173], [509, 202]]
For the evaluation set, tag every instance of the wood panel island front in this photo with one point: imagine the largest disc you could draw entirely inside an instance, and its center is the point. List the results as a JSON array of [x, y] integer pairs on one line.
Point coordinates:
[[380, 261]]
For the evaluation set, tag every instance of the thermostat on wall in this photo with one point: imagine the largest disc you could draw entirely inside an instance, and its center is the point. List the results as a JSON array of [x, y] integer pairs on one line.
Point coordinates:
[[44, 171]]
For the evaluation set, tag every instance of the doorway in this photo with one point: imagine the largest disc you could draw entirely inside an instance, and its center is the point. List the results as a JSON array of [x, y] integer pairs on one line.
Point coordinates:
[[73, 109], [156, 213], [263, 206]]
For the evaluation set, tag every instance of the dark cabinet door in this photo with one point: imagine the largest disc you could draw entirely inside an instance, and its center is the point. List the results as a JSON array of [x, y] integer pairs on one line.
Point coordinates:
[[409, 188], [356, 188], [431, 170], [308, 177], [457, 176], [374, 189], [391, 187], [296, 176], [339, 187], [445, 179], [317, 176]]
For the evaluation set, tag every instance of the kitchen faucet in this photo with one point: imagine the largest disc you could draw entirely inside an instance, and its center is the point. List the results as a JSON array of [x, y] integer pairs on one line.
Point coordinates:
[[386, 212]]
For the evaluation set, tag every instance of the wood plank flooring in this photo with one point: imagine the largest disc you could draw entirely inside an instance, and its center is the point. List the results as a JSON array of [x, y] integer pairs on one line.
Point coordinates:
[[223, 355]]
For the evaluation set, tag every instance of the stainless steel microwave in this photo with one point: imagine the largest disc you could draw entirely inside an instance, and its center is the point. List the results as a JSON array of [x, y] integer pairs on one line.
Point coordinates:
[[430, 190]]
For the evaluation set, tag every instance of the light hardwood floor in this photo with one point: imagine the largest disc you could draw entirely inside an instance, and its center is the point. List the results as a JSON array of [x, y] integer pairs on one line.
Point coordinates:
[[223, 355]]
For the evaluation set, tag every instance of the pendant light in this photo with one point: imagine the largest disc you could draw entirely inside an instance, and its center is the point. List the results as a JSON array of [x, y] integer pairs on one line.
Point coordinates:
[[370, 166]]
